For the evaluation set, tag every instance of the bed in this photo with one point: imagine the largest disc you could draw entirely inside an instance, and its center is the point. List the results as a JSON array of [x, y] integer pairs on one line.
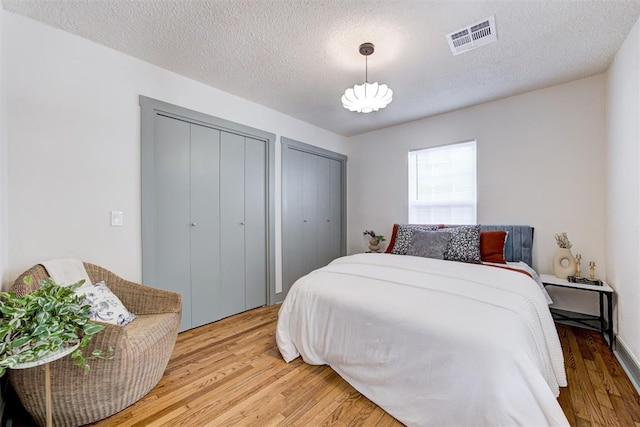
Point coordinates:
[[431, 341]]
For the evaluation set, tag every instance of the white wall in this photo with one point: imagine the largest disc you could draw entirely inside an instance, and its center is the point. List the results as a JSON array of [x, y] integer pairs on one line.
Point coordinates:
[[3, 157], [540, 162], [74, 138], [623, 188]]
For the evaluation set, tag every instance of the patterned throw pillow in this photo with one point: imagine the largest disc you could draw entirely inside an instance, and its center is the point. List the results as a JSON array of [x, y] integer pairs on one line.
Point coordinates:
[[404, 235], [105, 305], [464, 245], [429, 244]]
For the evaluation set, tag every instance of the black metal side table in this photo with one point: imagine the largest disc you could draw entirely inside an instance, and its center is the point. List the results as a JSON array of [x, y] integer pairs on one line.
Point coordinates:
[[605, 325]]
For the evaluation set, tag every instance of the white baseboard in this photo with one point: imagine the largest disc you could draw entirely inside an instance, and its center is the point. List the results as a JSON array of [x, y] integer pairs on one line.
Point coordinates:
[[629, 363]]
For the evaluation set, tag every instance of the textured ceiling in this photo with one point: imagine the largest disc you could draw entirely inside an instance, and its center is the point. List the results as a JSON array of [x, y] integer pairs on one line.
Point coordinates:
[[299, 56]]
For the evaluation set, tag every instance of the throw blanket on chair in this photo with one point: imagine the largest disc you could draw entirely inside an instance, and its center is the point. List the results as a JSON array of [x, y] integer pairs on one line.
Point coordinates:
[[67, 271]]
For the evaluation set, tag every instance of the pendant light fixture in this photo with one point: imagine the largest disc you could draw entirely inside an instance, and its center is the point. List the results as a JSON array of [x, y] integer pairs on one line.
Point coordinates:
[[367, 97]]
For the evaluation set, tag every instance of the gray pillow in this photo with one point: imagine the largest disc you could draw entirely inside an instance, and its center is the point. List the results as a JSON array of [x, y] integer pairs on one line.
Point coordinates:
[[429, 244], [404, 235], [464, 245]]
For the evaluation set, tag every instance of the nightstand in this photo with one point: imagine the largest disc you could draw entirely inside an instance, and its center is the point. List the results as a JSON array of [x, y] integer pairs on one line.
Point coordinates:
[[606, 326]]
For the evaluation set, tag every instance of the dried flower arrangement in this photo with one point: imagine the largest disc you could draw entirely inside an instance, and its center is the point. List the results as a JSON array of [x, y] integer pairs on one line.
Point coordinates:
[[563, 241]]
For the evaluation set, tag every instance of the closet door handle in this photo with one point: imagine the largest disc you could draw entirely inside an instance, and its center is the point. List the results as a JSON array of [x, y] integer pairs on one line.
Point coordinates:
[[328, 220], [242, 223], [193, 224], [305, 220]]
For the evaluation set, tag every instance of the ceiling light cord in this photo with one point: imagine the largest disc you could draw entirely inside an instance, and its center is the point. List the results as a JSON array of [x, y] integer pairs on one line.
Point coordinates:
[[366, 74], [366, 69]]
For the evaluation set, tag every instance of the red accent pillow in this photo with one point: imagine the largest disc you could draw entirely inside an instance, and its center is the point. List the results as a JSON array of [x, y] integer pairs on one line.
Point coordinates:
[[492, 246], [392, 241]]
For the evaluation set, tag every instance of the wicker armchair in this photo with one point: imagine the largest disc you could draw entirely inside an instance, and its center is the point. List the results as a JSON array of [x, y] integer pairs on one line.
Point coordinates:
[[142, 351]]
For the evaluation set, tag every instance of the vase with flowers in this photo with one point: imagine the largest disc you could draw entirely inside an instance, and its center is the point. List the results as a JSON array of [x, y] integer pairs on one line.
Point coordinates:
[[375, 240], [564, 263]]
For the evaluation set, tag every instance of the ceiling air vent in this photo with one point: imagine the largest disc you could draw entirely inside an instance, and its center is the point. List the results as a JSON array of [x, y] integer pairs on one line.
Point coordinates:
[[473, 36]]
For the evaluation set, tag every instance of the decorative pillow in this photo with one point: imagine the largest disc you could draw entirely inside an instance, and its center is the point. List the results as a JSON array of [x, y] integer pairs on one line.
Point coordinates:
[[464, 245], [105, 305], [429, 244], [492, 246], [403, 237], [392, 240]]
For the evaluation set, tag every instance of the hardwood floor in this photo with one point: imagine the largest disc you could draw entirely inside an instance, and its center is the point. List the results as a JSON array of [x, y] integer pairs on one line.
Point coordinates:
[[230, 373], [599, 391]]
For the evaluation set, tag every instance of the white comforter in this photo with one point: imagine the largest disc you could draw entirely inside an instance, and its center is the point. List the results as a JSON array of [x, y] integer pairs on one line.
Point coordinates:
[[432, 342]]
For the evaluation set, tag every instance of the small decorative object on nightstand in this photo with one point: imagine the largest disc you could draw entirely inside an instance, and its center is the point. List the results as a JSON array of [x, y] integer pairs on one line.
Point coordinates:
[[564, 264], [592, 270], [578, 266], [584, 281], [374, 241]]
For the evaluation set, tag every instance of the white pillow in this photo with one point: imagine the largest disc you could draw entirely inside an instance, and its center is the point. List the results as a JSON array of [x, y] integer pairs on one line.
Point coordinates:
[[105, 305]]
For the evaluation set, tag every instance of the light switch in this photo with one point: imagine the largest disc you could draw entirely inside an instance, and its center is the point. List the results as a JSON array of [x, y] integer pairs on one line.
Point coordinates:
[[116, 218]]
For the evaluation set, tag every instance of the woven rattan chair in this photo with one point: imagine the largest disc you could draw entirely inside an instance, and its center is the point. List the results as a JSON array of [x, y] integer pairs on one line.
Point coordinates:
[[142, 351]]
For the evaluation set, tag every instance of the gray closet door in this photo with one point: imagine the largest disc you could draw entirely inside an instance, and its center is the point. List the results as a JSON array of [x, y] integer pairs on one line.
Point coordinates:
[[312, 213], [207, 211], [336, 225], [329, 202], [205, 225], [243, 225], [211, 219], [232, 224], [172, 218], [292, 218], [255, 219], [309, 213]]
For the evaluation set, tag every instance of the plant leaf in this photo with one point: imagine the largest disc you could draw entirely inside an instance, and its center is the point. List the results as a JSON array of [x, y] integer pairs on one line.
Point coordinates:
[[92, 328], [20, 342]]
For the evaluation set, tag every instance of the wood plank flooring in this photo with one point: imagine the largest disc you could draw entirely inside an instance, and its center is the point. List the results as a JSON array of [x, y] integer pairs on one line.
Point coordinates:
[[599, 391], [230, 373]]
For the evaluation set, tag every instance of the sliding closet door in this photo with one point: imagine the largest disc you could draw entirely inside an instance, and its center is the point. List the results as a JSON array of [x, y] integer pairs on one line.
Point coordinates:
[[204, 225], [171, 210]]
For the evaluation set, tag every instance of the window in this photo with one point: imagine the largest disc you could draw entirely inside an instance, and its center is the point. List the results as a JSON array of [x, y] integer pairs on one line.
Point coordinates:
[[442, 184]]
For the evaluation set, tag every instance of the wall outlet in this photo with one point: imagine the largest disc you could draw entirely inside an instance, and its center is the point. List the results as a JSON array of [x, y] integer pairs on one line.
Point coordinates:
[[116, 218]]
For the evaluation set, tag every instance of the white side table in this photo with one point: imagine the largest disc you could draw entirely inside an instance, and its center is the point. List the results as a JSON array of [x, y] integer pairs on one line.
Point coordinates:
[[606, 326], [47, 373]]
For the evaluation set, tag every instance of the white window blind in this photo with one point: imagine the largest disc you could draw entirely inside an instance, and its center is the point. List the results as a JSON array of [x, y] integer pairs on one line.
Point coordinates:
[[442, 184]]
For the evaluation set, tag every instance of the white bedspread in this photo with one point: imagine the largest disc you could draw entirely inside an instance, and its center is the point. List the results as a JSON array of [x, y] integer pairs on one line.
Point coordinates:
[[432, 342]]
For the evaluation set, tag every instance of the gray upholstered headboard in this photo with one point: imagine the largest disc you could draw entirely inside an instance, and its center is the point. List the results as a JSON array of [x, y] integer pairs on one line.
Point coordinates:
[[519, 245]]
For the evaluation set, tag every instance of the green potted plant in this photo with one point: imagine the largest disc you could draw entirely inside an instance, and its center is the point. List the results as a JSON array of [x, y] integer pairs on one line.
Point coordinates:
[[45, 321], [375, 240]]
